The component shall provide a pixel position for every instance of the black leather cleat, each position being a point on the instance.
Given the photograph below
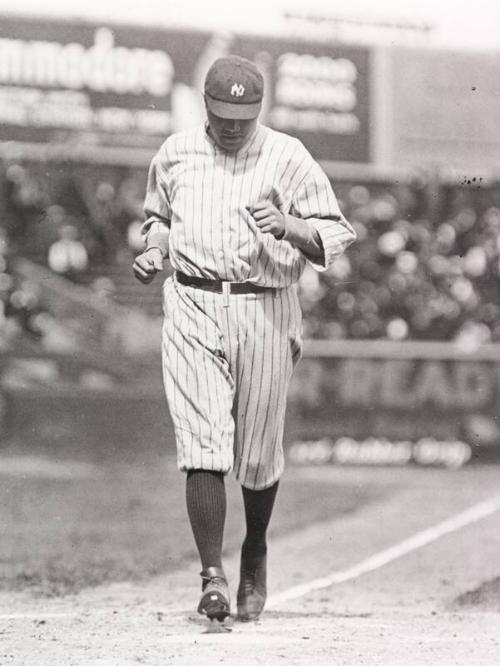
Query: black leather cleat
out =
(252, 590)
(214, 601)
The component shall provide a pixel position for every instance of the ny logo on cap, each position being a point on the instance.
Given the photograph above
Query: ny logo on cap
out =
(237, 90)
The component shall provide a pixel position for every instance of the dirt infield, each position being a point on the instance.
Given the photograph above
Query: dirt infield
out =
(432, 603)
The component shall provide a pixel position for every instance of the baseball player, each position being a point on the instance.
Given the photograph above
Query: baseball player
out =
(239, 209)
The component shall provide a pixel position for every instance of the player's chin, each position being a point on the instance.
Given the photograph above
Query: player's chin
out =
(232, 144)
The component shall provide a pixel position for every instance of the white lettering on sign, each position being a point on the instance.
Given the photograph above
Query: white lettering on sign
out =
(30, 107)
(381, 451)
(403, 383)
(315, 94)
(329, 122)
(429, 451)
(103, 67)
(309, 93)
(317, 67)
(374, 451)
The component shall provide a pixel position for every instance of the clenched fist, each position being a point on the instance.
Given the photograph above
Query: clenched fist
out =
(147, 265)
(268, 218)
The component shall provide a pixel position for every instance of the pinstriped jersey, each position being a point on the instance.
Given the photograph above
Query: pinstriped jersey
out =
(201, 192)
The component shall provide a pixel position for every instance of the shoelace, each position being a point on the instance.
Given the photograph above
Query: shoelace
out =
(217, 580)
(250, 581)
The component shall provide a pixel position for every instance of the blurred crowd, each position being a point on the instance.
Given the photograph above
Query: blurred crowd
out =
(74, 224)
(426, 264)
(74, 221)
(21, 312)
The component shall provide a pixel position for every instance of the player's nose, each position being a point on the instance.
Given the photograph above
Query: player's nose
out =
(233, 126)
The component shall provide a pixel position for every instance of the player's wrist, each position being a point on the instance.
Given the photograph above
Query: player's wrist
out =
(160, 241)
(160, 249)
(302, 235)
(294, 229)
(282, 235)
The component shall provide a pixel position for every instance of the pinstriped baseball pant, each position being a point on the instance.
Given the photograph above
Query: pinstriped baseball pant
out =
(227, 363)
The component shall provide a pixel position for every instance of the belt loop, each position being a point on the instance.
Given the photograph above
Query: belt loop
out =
(226, 290)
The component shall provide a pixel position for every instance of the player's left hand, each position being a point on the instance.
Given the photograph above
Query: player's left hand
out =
(268, 218)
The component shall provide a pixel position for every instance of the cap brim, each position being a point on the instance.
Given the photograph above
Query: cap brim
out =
(233, 111)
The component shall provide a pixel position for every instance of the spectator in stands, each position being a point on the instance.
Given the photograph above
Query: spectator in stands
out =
(23, 307)
(25, 204)
(103, 289)
(104, 224)
(422, 268)
(68, 256)
(409, 278)
(19, 301)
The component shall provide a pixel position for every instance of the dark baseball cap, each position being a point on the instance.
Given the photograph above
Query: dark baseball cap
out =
(234, 88)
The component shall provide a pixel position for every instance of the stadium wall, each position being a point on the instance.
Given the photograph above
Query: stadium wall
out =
(350, 402)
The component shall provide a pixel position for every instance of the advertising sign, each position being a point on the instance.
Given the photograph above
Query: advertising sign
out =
(394, 410)
(103, 85)
(317, 92)
(95, 84)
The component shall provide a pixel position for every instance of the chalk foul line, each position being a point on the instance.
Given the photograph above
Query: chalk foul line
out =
(413, 543)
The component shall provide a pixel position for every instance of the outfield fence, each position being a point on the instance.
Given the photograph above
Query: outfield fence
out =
(350, 402)
(381, 402)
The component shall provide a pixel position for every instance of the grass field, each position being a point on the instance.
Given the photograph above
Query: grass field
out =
(69, 525)
(367, 566)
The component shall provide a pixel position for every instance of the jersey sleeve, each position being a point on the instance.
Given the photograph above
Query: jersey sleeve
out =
(157, 204)
(156, 228)
(315, 201)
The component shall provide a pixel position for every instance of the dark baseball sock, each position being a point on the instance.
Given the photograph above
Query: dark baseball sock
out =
(206, 505)
(258, 509)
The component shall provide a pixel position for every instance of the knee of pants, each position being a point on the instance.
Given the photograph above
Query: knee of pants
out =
(258, 475)
(196, 453)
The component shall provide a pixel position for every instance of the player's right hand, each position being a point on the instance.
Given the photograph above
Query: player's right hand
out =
(147, 265)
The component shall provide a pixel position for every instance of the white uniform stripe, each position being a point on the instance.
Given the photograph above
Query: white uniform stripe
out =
(180, 348)
(255, 197)
(255, 403)
(252, 245)
(233, 241)
(245, 392)
(199, 186)
(225, 225)
(268, 363)
(281, 387)
(193, 200)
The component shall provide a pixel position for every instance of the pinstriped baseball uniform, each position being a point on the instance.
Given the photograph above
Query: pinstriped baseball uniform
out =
(228, 358)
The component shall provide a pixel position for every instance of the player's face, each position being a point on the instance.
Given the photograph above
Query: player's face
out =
(230, 134)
